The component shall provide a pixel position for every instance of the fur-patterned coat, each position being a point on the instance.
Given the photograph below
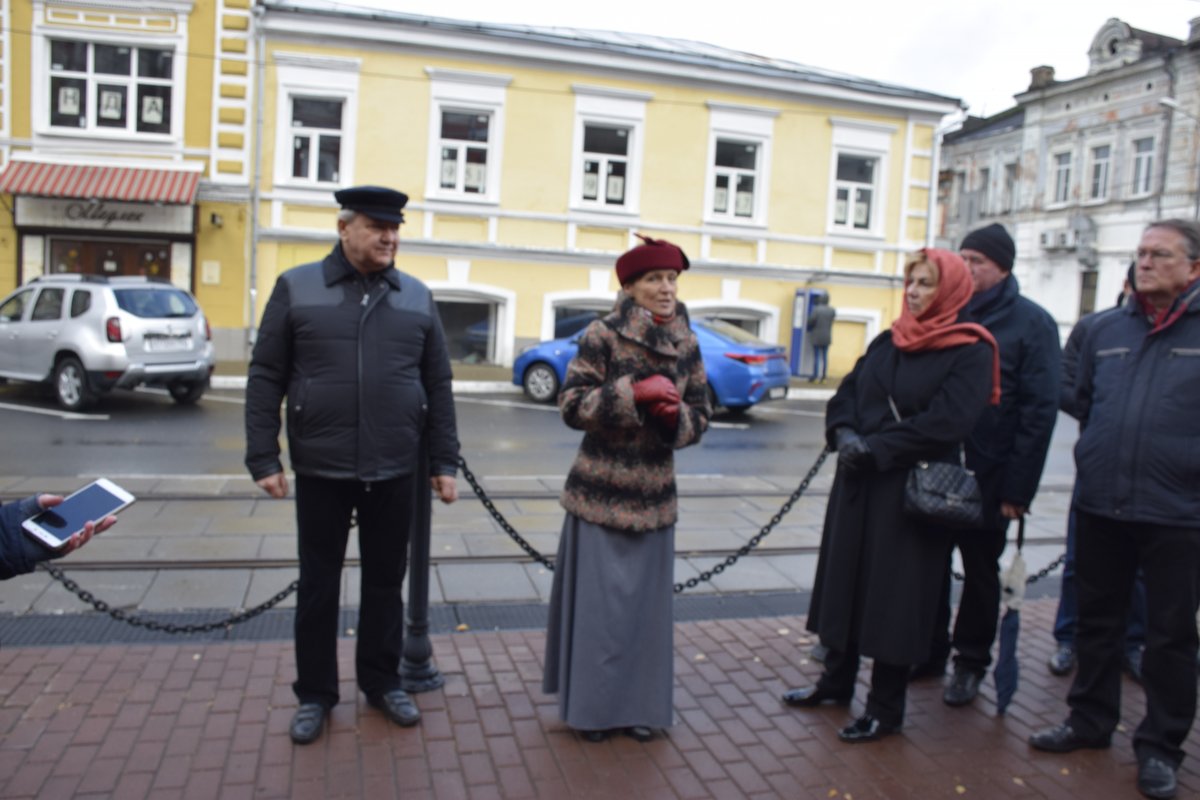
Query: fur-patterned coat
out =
(624, 474)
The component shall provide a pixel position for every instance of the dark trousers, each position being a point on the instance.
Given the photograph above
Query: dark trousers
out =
(323, 509)
(889, 683)
(1108, 554)
(979, 606)
(1068, 605)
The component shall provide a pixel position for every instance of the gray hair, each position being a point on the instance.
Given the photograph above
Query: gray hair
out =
(347, 215)
(1189, 229)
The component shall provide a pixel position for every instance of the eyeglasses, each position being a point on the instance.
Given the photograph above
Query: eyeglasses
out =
(1157, 256)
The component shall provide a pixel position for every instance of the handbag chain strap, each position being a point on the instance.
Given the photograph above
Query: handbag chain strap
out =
(962, 451)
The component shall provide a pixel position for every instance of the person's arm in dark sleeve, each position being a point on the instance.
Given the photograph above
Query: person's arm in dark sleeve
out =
(1038, 393)
(438, 379)
(266, 384)
(1070, 368)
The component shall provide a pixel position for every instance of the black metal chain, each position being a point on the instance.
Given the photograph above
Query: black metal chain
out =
(157, 625)
(691, 582)
(529, 549)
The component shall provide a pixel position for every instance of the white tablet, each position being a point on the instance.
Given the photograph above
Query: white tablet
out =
(92, 503)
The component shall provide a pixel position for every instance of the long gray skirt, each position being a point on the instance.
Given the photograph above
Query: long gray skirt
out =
(609, 643)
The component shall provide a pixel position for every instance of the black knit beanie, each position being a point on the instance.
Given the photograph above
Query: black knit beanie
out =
(994, 242)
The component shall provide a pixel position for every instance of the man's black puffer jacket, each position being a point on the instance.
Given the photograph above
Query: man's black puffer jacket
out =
(363, 364)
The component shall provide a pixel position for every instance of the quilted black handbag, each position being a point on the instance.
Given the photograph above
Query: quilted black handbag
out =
(943, 492)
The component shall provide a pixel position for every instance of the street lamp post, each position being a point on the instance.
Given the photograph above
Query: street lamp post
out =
(1173, 104)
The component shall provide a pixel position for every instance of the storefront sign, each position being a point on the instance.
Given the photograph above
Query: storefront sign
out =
(103, 215)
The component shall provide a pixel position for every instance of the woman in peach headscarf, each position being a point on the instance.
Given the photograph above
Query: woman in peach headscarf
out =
(880, 573)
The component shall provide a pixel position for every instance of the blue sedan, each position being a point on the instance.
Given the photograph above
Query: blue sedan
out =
(742, 370)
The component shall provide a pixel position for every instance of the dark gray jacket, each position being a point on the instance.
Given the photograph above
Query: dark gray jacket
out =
(18, 552)
(1137, 458)
(363, 364)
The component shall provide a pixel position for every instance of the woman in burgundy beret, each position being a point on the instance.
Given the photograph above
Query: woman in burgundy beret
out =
(637, 390)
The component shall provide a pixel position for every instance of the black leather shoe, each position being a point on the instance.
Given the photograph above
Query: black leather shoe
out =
(1133, 664)
(812, 696)
(397, 706)
(930, 669)
(593, 736)
(1156, 778)
(1063, 660)
(866, 729)
(639, 733)
(308, 723)
(962, 689)
(1063, 739)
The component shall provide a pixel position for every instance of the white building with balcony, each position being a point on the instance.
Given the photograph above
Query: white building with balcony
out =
(1077, 167)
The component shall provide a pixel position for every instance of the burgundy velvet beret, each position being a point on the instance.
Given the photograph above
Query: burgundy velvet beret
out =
(650, 255)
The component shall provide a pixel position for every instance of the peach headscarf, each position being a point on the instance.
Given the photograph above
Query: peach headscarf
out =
(936, 328)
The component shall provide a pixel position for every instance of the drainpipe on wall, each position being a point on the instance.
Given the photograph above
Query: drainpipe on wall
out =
(1169, 68)
(934, 166)
(259, 60)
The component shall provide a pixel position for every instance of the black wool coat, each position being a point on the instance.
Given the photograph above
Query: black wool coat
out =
(879, 574)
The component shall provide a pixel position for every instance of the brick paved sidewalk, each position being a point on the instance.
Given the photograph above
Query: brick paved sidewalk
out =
(210, 721)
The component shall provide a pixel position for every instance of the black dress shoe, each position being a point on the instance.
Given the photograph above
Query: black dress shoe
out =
(639, 733)
(308, 723)
(1133, 664)
(930, 669)
(812, 696)
(397, 706)
(866, 729)
(1063, 739)
(962, 689)
(1156, 778)
(593, 736)
(1063, 660)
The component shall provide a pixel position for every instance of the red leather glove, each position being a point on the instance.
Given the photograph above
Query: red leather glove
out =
(668, 413)
(656, 387)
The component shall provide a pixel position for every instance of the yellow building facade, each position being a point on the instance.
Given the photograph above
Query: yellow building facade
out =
(531, 157)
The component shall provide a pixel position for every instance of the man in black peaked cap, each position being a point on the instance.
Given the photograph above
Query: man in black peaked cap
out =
(356, 347)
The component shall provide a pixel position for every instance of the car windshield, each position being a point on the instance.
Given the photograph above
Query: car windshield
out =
(155, 303)
(728, 330)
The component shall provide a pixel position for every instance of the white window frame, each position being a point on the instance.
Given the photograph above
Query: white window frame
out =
(175, 41)
(864, 139)
(320, 78)
(470, 93)
(985, 191)
(748, 125)
(1141, 165)
(1099, 169)
(1060, 177)
(613, 108)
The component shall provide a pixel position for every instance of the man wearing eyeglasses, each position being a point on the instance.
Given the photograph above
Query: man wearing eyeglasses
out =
(1007, 450)
(1138, 477)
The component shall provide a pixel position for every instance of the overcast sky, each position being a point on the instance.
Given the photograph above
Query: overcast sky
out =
(978, 50)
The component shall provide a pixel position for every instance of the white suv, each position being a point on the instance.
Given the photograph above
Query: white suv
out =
(88, 334)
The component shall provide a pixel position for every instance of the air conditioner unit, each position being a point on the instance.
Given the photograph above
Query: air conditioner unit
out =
(1048, 239)
(1067, 239)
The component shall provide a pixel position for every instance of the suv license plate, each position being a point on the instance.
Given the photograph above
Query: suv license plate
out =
(777, 393)
(168, 344)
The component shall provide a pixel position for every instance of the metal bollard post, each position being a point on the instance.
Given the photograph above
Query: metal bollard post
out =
(417, 671)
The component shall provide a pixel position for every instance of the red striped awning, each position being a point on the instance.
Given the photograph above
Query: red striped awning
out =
(85, 182)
